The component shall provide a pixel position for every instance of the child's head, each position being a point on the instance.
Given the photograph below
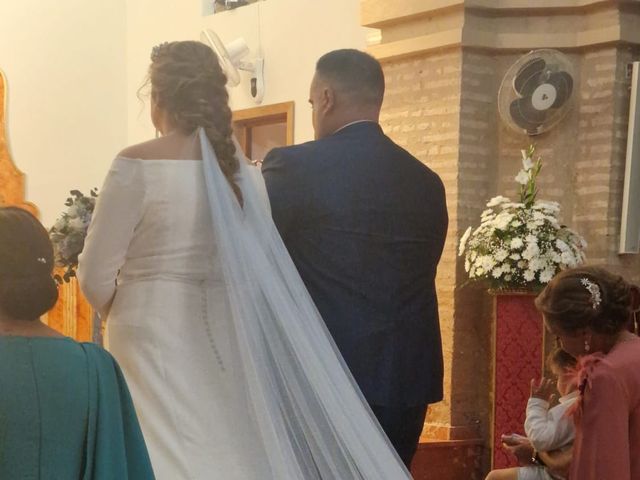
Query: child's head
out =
(562, 365)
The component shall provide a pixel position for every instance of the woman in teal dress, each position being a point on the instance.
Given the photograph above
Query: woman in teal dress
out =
(65, 410)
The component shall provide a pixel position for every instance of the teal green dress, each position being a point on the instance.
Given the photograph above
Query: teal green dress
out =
(66, 413)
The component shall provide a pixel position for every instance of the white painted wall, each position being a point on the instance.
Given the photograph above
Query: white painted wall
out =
(74, 68)
(293, 35)
(65, 66)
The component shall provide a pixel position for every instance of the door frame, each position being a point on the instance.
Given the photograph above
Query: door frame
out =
(245, 120)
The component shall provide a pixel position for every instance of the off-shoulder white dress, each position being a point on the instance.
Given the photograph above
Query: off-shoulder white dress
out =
(168, 320)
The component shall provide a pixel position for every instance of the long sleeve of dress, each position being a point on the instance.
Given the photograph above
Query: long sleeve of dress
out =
(548, 429)
(602, 449)
(118, 211)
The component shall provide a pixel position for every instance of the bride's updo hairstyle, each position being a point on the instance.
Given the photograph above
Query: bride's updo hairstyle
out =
(584, 297)
(27, 288)
(189, 84)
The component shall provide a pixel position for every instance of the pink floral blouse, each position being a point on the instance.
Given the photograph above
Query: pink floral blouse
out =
(607, 444)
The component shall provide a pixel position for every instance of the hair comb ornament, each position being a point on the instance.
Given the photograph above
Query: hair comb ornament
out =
(594, 290)
(155, 51)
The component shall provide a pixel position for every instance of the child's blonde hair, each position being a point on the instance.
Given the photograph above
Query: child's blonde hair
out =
(561, 359)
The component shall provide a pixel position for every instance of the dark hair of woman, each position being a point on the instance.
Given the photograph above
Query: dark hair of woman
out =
(27, 287)
(188, 82)
(587, 297)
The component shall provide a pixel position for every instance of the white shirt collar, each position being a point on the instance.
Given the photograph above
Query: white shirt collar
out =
(569, 396)
(353, 123)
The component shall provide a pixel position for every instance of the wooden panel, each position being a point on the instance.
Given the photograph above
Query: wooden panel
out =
(11, 179)
(244, 120)
(72, 315)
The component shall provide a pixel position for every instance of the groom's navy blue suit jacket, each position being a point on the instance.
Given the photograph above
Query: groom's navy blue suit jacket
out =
(365, 223)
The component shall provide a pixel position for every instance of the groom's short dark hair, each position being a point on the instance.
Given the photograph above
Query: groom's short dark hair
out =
(354, 73)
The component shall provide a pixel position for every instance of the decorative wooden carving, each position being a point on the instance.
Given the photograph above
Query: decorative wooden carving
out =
(11, 179)
(72, 314)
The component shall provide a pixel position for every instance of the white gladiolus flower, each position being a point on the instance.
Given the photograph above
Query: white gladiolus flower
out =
(526, 157)
(515, 256)
(522, 178)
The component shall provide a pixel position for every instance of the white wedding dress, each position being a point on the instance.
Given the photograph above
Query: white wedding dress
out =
(231, 369)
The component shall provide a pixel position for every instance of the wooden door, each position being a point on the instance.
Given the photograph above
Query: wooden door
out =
(260, 129)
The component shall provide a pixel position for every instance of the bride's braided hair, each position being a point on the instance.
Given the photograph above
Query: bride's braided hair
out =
(188, 82)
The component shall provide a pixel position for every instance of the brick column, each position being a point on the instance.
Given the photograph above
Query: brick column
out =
(444, 61)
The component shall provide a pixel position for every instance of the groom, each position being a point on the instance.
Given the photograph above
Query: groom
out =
(365, 223)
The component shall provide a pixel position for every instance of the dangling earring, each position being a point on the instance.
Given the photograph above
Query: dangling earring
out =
(157, 133)
(587, 347)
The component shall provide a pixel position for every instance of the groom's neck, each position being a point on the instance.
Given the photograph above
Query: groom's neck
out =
(353, 115)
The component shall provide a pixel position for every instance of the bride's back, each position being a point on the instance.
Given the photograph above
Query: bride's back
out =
(174, 237)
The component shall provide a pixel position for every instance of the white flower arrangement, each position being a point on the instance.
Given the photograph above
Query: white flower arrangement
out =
(520, 245)
(70, 230)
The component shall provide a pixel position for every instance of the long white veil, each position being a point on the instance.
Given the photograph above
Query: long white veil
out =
(314, 422)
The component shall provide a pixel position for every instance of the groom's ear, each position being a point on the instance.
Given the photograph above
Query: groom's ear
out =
(328, 99)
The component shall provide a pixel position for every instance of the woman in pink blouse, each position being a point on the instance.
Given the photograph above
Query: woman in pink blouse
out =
(588, 309)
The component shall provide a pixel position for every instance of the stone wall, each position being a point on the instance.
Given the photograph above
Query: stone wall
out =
(584, 156)
(421, 112)
(444, 61)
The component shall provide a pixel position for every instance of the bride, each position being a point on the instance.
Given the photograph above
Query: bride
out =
(231, 369)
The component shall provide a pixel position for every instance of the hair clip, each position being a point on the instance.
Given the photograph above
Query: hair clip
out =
(41, 260)
(155, 51)
(594, 290)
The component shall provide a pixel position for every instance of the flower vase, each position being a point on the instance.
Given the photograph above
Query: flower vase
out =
(517, 358)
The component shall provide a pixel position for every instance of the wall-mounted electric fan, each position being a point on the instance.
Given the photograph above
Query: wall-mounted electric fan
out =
(535, 93)
(230, 56)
